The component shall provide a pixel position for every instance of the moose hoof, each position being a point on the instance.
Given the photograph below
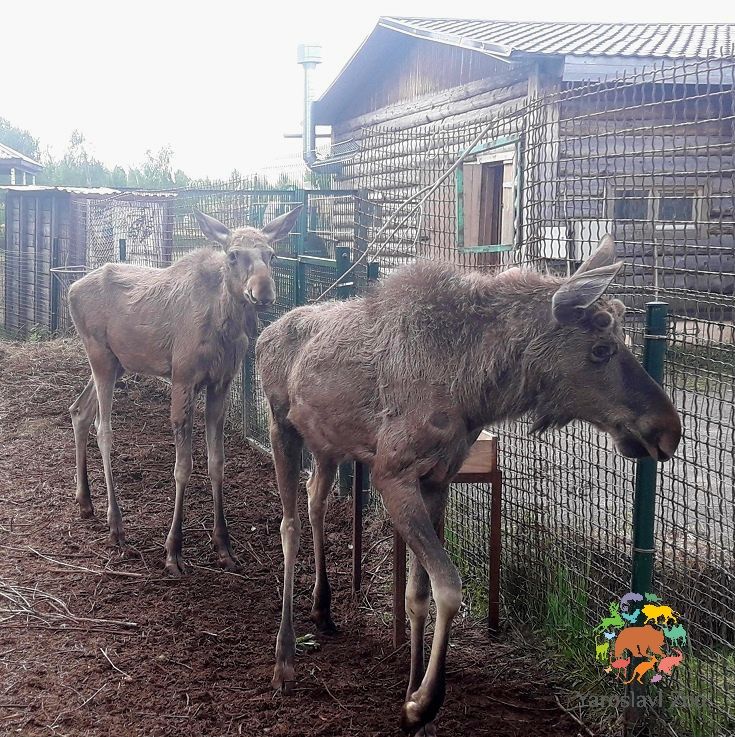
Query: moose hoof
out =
(324, 623)
(229, 562)
(416, 715)
(284, 678)
(175, 566)
(117, 539)
(86, 510)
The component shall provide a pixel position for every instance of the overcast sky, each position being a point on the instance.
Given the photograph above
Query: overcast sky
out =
(217, 80)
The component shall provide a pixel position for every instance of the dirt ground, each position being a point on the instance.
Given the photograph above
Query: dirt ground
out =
(92, 643)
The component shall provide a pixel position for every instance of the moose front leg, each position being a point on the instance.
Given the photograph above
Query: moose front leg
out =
(215, 421)
(411, 519)
(182, 413)
(287, 445)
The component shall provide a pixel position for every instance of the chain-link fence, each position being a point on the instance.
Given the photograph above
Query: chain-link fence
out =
(648, 158)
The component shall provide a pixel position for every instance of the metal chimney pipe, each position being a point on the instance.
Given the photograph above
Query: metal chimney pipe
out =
(309, 56)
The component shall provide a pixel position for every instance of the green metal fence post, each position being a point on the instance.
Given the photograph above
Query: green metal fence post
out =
(644, 501)
(303, 224)
(342, 257)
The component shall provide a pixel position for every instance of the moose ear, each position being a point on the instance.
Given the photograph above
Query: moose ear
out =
(580, 291)
(213, 228)
(281, 226)
(604, 255)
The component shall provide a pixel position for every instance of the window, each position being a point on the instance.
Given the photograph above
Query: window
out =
(664, 206)
(486, 190)
(676, 208)
(631, 204)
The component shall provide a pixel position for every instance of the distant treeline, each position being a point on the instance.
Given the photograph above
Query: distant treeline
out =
(77, 167)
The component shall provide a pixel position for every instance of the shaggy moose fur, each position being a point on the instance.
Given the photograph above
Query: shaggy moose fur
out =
(405, 378)
(190, 323)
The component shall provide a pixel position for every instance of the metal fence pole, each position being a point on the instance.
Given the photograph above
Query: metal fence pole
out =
(644, 501)
(342, 257)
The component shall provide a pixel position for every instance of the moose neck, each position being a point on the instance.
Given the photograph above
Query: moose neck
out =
(514, 311)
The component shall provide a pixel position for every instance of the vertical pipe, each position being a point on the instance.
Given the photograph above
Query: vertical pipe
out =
(644, 505)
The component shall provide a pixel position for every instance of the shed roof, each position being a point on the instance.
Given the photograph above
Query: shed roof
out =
(8, 155)
(503, 38)
(588, 50)
(90, 191)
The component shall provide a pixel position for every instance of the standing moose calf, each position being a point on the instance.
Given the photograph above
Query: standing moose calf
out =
(190, 323)
(404, 380)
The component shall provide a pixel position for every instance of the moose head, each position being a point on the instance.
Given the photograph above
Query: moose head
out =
(249, 255)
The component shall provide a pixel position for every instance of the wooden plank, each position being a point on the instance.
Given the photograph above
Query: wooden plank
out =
(482, 458)
(472, 203)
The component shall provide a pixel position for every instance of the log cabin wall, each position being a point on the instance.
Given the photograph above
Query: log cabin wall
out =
(412, 123)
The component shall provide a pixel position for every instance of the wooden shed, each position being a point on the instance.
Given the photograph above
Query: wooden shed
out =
(53, 235)
(17, 168)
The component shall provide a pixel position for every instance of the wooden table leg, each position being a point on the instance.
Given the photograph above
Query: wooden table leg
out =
(493, 578)
(357, 526)
(399, 590)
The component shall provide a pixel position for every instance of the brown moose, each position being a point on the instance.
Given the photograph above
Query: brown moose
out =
(190, 323)
(405, 378)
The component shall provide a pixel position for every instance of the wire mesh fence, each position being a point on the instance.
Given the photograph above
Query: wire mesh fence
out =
(649, 158)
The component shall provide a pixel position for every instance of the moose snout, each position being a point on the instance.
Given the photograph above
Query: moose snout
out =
(659, 440)
(260, 292)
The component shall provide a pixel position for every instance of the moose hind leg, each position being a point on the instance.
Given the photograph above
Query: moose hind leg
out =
(105, 370)
(318, 488)
(215, 421)
(83, 412)
(412, 521)
(182, 413)
(287, 445)
(418, 593)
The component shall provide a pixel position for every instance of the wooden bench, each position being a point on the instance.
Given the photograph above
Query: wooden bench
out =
(480, 466)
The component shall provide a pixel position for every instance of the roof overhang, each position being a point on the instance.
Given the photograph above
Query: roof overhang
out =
(378, 47)
(23, 164)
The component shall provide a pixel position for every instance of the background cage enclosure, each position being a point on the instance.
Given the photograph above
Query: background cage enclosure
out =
(649, 158)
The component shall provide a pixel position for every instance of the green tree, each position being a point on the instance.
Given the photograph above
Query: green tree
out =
(157, 171)
(19, 139)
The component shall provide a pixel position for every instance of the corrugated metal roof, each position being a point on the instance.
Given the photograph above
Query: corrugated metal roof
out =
(10, 153)
(88, 191)
(503, 38)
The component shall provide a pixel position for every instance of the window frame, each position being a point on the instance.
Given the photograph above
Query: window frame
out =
(502, 150)
(654, 195)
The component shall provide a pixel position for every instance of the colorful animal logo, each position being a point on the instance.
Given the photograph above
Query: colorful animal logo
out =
(640, 639)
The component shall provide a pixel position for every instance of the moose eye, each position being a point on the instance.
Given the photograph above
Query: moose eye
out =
(232, 257)
(603, 352)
